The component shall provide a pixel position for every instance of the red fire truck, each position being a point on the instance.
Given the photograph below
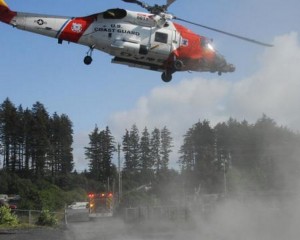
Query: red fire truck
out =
(101, 204)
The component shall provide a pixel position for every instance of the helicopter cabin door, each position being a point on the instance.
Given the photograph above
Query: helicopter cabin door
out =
(161, 42)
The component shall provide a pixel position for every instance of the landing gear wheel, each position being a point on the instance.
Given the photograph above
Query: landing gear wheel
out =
(178, 65)
(166, 76)
(88, 60)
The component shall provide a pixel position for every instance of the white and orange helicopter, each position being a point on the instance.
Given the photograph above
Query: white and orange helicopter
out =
(150, 40)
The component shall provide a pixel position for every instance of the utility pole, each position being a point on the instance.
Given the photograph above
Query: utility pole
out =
(120, 173)
(224, 174)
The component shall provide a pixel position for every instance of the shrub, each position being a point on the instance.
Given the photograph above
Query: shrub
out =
(47, 218)
(7, 217)
(52, 198)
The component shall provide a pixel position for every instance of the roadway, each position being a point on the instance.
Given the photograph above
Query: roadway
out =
(116, 229)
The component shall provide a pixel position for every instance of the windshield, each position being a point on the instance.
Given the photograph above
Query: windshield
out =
(115, 14)
(207, 44)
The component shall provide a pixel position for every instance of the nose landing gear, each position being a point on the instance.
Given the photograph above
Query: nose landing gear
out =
(166, 76)
(88, 58)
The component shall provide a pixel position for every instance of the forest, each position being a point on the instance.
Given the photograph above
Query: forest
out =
(36, 159)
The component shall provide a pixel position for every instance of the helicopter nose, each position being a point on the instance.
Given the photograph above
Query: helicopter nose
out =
(221, 65)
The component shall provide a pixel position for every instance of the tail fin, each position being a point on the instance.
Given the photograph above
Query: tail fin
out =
(3, 3)
(6, 15)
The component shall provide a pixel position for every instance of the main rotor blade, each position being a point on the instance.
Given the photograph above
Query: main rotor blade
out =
(131, 1)
(135, 1)
(226, 33)
(140, 3)
(169, 2)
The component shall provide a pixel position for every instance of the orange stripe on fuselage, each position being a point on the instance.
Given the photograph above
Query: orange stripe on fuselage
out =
(76, 28)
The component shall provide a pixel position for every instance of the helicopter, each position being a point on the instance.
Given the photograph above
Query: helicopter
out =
(151, 40)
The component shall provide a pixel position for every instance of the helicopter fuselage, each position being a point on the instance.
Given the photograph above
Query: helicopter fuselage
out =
(135, 39)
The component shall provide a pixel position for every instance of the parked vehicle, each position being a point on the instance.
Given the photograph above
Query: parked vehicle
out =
(13, 204)
(5, 201)
(79, 205)
(101, 205)
(4, 197)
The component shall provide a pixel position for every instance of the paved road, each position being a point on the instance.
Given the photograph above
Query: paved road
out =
(33, 234)
(79, 227)
(103, 229)
(116, 229)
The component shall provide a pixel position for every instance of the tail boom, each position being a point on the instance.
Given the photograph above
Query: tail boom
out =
(70, 29)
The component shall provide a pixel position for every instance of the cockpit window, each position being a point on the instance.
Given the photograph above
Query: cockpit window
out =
(206, 43)
(161, 37)
(115, 14)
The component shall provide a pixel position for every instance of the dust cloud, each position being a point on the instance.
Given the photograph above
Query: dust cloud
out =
(236, 218)
(240, 215)
(249, 219)
(269, 215)
(245, 215)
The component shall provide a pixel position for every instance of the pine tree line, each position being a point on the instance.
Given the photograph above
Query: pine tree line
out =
(33, 143)
(252, 157)
(230, 156)
(145, 156)
(148, 151)
(260, 156)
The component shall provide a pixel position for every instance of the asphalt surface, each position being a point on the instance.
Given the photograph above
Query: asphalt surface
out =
(100, 229)
(231, 220)
(33, 234)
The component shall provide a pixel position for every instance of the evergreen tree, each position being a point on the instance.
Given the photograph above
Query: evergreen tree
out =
(199, 157)
(94, 155)
(166, 145)
(187, 151)
(131, 148)
(61, 140)
(241, 144)
(135, 147)
(20, 139)
(66, 141)
(108, 150)
(100, 154)
(8, 122)
(40, 138)
(126, 150)
(28, 139)
(155, 149)
(222, 147)
(271, 149)
(32, 143)
(146, 160)
(54, 155)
